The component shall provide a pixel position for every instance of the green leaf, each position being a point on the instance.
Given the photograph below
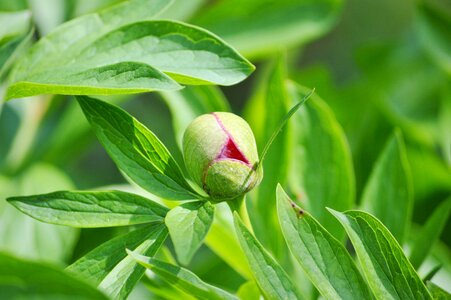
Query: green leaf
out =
(11, 50)
(118, 78)
(249, 291)
(13, 24)
(388, 193)
(90, 209)
(23, 279)
(26, 237)
(432, 26)
(387, 270)
(269, 275)
(324, 259)
(437, 292)
(182, 278)
(108, 265)
(185, 105)
(188, 224)
(221, 239)
(261, 27)
(430, 233)
(321, 173)
(132, 59)
(136, 150)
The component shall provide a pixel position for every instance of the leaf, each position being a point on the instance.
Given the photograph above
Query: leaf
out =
(108, 265)
(432, 26)
(249, 291)
(388, 193)
(188, 224)
(321, 171)
(13, 24)
(11, 50)
(185, 105)
(430, 233)
(25, 237)
(386, 268)
(133, 59)
(23, 279)
(324, 259)
(269, 275)
(437, 292)
(181, 278)
(262, 27)
(118, 78)
(221, 239)
(90, 209)
(136, 150)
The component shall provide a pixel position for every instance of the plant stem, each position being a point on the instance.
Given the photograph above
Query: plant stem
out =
(239, 205)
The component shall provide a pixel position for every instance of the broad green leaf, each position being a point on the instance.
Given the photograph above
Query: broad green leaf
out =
(324, 259)
(272, 280)
(432, 25)
(136, 150)
(437, 292)
(185, 105)
(108, 265)
(118, 78)
(321, 173)
(387, 270)
(261, 27)
(23, 279)
(430, 233)
(221, 239)
(188, 224)
(26, 237)
(133, 58)
(73, 36)
(90, 209)
(181, 278)
(388, 193)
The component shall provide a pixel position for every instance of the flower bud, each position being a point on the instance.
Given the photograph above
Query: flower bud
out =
(221, 155)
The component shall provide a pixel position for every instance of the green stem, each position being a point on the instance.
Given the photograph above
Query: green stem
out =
(239, 205)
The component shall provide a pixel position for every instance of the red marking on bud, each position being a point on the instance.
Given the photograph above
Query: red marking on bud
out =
(230, 149)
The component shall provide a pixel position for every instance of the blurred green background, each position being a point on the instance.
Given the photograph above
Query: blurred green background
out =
(379, 65)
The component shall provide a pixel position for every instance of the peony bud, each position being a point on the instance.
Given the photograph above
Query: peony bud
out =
(221, 155)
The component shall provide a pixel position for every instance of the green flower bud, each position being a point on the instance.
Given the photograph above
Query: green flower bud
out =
(221, 155)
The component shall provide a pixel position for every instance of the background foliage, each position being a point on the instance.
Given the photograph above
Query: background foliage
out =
(376, 135)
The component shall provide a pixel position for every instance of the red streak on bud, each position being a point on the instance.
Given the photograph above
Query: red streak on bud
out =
(230, 150)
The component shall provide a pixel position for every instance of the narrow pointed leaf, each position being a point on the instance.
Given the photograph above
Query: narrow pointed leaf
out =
(90, 209)
(384, 264)
(136, 150)
(324, 259)
(322, 173)
(188, 224)
(389, 191)
(182, 278)
(108, 265)
(272, 280)
(430, 233)
(22, 279)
